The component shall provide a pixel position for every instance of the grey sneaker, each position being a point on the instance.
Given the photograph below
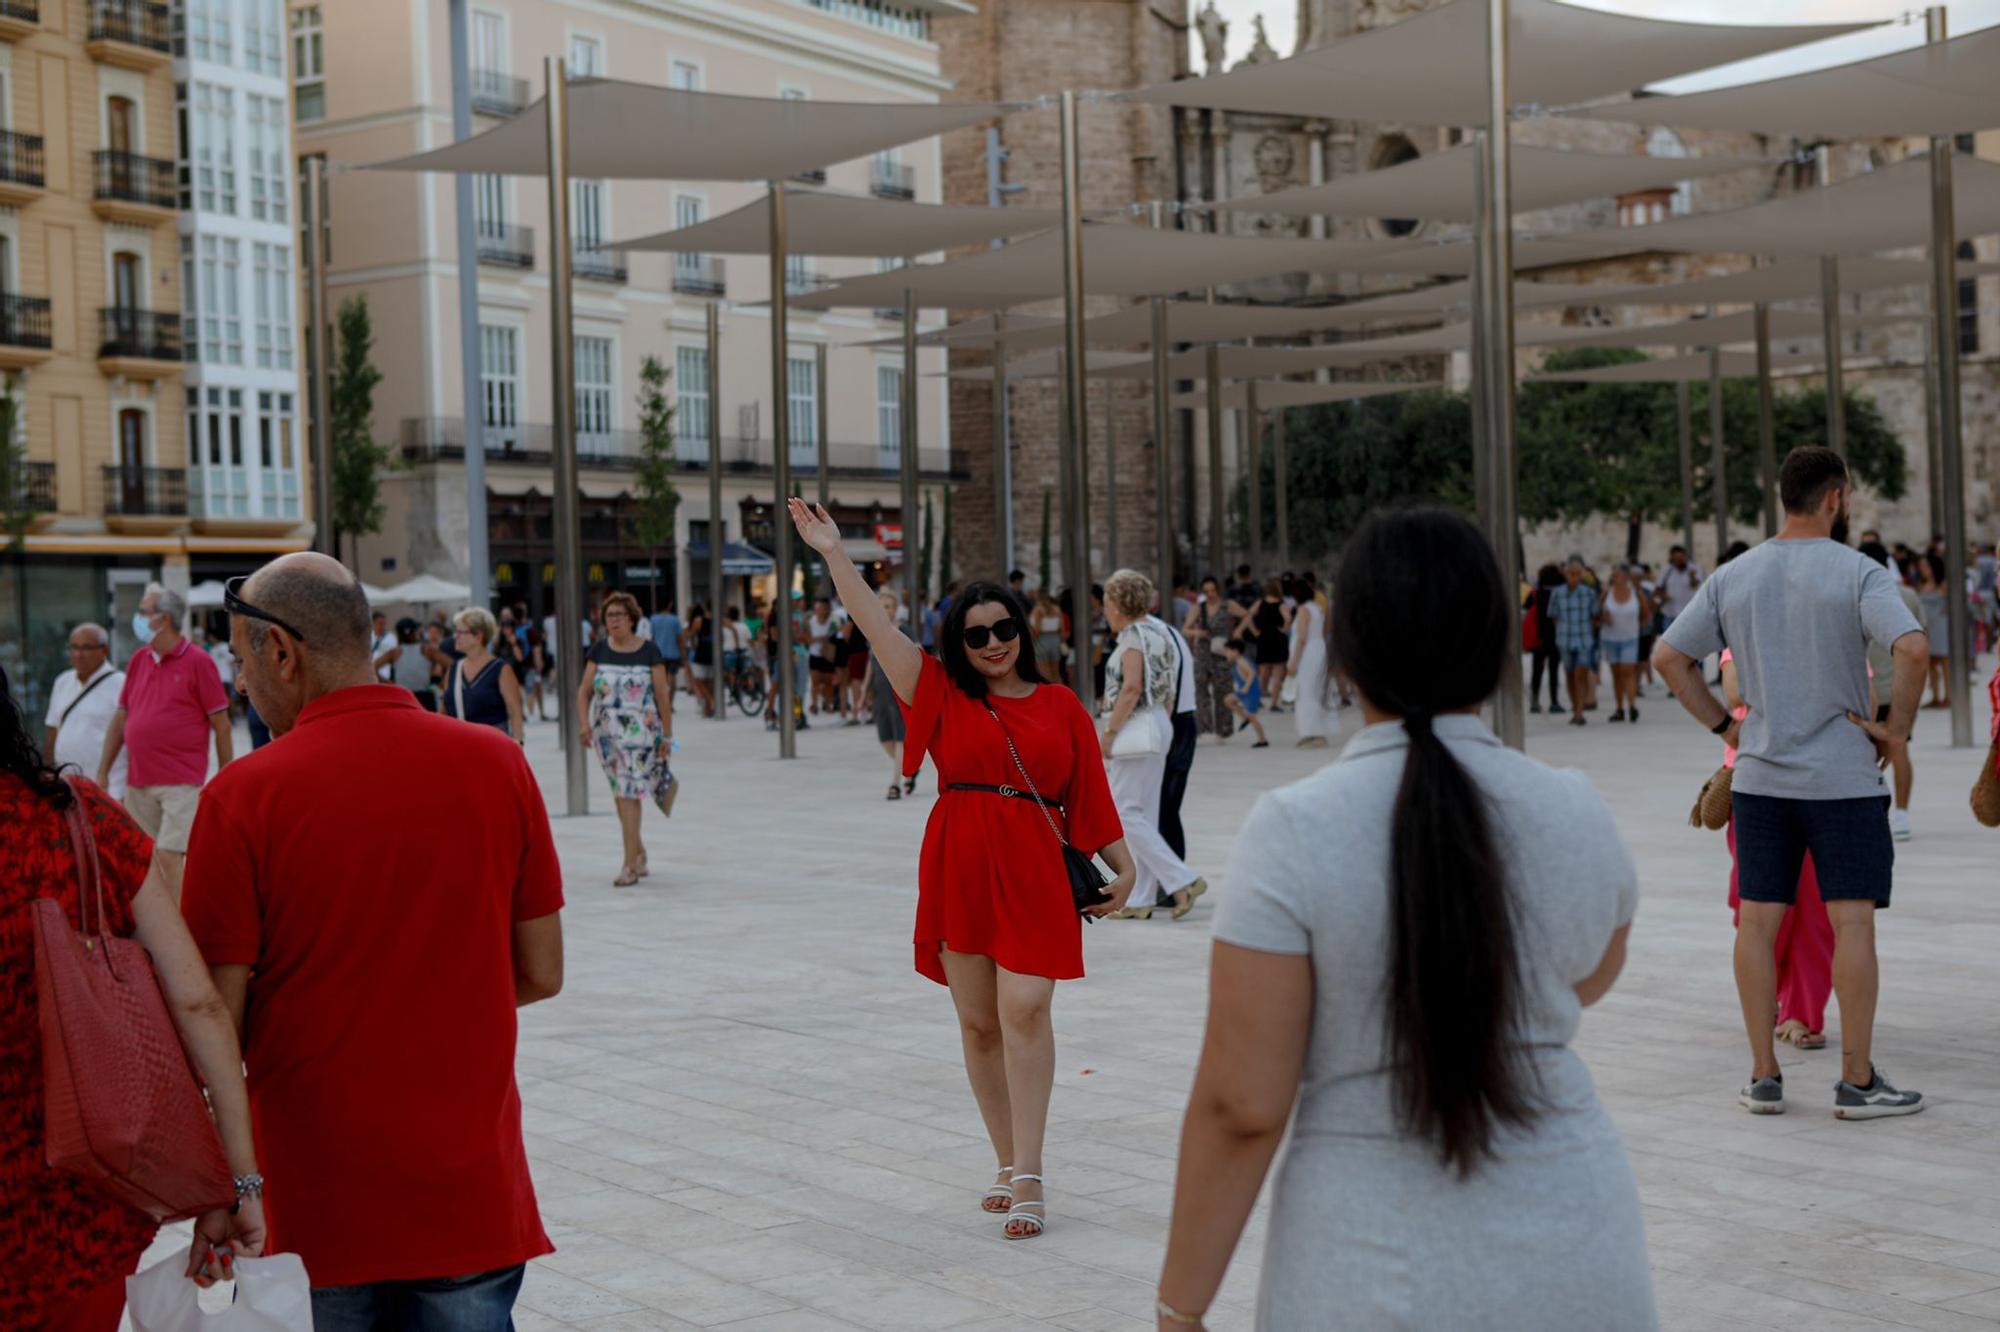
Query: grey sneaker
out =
(1764, 1096)
(1878, 1100)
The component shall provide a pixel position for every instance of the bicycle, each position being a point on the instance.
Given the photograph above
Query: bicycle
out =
(744, 684)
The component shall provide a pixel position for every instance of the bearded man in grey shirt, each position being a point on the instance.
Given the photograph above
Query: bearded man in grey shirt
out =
(1798, 613)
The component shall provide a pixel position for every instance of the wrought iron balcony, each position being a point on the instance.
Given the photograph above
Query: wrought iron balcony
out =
(698, 275)
(25, 321)
(598, 265)
(125, 177)
(133, 22)
(22, 161)
(441, 438)
(142, 492)
(146, 335)
(816, 176)
(35, 487)
(892, 180)
(19, 18)
(497, 94)
(510, 247)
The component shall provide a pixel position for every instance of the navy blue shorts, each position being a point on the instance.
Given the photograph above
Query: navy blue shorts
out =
(1849, 841)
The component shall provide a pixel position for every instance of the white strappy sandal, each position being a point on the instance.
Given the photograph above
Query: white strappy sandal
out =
(1019, 1212)
(1000, 1193)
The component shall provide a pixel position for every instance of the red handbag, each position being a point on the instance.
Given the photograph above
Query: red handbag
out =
(123, 1107)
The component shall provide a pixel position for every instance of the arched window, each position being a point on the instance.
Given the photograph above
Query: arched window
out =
(1391, 150)
(1663, 142)
(1968, 304)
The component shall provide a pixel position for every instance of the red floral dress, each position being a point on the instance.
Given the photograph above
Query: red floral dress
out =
(61, 1236)
(990, 878)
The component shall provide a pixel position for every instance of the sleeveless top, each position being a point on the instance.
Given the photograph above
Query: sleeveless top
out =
(485, 705)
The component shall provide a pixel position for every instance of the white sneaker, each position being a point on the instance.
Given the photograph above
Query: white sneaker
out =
(1899, 824)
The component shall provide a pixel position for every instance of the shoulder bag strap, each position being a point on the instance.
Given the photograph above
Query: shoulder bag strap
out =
(458, 688)
(95, 681)
(83, 850)
(1022, 769)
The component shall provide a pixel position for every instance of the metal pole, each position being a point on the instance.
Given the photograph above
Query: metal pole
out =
(906, 462)
(325, 539)
(1767, 428)
(1493, 342)
(819, 423)
(1684, 413)
(1932, 468)
(1003, 452)
(1163, 470)
(1279, 462)
(1214, 388)
(1481, 407)
(1829, 314)
(479, 565)
(1718, 454)
(1076, 539)
(1253, 482)
(1951, 470)
(1110, 477)
(718, 530)
(562, 411)
(786, 681)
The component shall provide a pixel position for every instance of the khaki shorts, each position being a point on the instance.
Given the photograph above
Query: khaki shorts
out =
(165, 812)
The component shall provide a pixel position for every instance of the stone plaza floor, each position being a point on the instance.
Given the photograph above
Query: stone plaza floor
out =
(746, 1111)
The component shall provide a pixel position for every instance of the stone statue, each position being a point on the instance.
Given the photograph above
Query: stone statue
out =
(1261, 50)
(1214, 32)
(1274, 159)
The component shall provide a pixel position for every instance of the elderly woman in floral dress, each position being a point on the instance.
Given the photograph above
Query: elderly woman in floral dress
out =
(619, 713)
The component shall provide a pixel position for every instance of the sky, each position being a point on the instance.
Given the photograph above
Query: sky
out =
(1281, 23)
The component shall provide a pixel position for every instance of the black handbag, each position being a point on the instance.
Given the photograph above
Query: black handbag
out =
(1086, 881)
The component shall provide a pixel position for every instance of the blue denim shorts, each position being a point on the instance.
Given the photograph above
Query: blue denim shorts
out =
(1574, 659)
(482, 1302)
(1849, 841)
(1621, 651)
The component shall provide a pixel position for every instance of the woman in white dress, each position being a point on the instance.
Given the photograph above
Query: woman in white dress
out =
(1315, 719)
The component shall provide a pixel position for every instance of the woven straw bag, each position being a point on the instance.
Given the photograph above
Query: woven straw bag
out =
(1711, 807)
(1986, 791)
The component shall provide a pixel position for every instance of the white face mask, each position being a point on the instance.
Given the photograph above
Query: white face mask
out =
(142, 626)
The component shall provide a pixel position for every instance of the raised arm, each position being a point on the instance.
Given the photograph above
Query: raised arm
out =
(902, 660)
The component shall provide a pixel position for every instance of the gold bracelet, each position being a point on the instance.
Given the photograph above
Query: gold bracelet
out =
(1173, 1315)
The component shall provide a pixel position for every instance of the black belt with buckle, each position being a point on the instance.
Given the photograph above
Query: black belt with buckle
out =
(1014, 792)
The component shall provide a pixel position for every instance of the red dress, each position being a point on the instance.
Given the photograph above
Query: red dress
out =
(62, 1237)
(990, 878)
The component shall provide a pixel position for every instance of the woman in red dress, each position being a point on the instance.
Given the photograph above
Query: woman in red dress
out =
(69, 1245)
(995, 918)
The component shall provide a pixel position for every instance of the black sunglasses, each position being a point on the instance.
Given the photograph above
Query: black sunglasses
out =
(236, 605)
(978, 636)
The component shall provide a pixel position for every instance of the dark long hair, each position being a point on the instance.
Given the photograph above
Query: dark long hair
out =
(958, 668)
(1409, 581)
(20, 756)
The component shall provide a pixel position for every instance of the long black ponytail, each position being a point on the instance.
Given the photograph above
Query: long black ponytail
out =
(1420, 626)
(20, 755)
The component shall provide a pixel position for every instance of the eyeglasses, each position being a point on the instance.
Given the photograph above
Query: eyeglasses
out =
(87, 647)
(978, 636)
(236, 605)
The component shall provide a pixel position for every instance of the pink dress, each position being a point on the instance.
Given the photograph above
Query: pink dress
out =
(1805, 940)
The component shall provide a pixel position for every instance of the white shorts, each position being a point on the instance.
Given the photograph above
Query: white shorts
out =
(165, 812)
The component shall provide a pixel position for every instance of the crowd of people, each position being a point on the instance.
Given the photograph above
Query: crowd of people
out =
(1401, 960)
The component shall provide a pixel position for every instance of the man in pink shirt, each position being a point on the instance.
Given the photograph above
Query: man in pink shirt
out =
(172, 702)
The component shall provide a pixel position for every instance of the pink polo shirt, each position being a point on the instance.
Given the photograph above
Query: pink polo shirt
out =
(167, 702)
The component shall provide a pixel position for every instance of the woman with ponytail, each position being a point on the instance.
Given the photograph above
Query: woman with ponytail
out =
(1408, 970)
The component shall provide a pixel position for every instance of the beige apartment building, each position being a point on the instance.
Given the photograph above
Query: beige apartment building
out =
(372, 81)
(91, 345)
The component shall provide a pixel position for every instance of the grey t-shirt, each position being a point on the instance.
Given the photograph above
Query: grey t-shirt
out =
(1798, 616)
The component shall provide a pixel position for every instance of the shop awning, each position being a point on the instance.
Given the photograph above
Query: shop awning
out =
(738, 560)
(863, 550)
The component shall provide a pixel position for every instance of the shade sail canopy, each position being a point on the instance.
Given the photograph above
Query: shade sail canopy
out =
(1453, 258)
(1047, 365)
(1118, 260)
(424, 590)
(823, 223)
(1785, 280)
(1790, 326)
(1430, 69)
(1290, 393)
(1885, 209)
(1952, 87)
(1444, 185)
(636, 131)
(1678, 370)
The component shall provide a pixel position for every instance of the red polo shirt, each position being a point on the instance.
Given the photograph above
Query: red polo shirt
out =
(370, 865)
(167, 702)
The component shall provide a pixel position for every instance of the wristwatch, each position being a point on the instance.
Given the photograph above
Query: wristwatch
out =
(1721, 727)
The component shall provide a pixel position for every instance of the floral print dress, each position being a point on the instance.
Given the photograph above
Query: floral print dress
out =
(625, 721)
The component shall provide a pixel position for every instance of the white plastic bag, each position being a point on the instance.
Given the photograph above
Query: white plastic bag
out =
(1289, 693)
(272, 1295)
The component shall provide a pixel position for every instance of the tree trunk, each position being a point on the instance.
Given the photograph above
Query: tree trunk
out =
(1634, 527)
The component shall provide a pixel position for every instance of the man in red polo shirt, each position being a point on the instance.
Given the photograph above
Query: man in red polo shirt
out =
(173, 701)
(378, 1010)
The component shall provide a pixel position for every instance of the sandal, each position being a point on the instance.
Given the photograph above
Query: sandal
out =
(626, 878)
(1184, 899)
(1794, 1032)
(895, 791)
(1000, 1197)
(1033, 1223)
(643, 868)
(1133, 913)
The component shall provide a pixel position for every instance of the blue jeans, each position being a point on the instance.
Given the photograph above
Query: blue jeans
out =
(483, 1302)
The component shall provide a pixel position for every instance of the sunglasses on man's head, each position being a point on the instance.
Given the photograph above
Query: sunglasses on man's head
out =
(978, 636)
(236, 605)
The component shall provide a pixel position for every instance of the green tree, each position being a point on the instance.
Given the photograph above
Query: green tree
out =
(17, 509)
(1047, 563)
(355, 456)
(658, 500)
(1346, 459)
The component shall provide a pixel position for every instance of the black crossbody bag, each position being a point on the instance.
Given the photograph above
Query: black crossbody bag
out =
(1086, 881)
